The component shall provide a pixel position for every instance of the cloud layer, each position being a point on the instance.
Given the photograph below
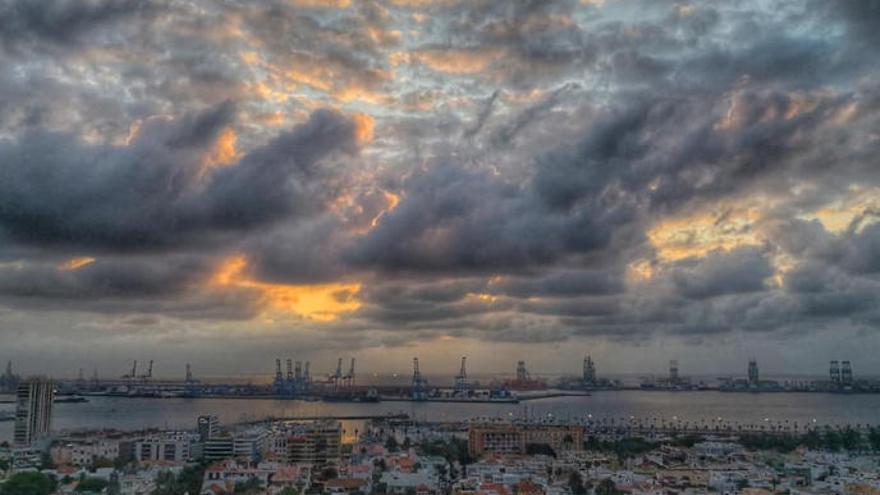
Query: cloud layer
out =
(375, 176)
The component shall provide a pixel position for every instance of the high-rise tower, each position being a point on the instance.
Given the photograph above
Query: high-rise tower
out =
(846, 374)
(589, 371)
(673, 371)
(33, 410)
(834, 372)
(754, 378)
(461, 379)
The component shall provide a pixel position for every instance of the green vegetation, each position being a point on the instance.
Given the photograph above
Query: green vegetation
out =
(830, 439)
(250, 487)
(328, 473)
(189, 480)
(779, 443)
(874, 438)
(686, 440)
(455, 450)
(624, 448)
(28, 483)
(835, 440)
(576, 483)
(391, 444)
(540, 449)
(46, 461)
(91, 485)
(607, 487)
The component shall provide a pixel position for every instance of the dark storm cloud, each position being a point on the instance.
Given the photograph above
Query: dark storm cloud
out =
(862, 17)
(112, 278)
(651, 151)
(737, 271)
(60, 23)
(169, 285)
(455, 219)
(157, 191)
(307, 252)
(561, 284)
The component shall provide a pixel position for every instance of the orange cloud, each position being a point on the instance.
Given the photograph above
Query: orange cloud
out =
(319, 302)
(323, 4)
(76, 263)
(699, 233)
(853, 211)
(422, 3)
(639, 270)
(451, 61)
(224, 151)
(363, 128)
(392, 201)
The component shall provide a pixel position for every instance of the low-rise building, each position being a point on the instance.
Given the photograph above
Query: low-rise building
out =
(85, 453)
(514, 438)
(166, 447)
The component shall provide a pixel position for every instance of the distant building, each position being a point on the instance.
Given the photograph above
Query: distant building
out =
(8, 380)
(589, 371)
(208, 427)
(250, 444)
(508, 439)
(754, 377)
(673, 372)
(169, 447)
(218, 448)
(85, 453)
(318, 443)
(33, 411)
(846, 374)
(834, 372)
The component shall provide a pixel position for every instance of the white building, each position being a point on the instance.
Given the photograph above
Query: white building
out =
(173, 447)
(33, 411)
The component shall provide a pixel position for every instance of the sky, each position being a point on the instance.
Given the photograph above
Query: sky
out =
(226, 182)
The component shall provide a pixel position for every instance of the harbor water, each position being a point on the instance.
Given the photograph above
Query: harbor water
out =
(731, 408)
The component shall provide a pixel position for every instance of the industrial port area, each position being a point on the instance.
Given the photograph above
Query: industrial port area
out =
(295, 380)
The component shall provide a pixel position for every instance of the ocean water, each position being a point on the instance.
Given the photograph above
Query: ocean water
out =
(742, 408)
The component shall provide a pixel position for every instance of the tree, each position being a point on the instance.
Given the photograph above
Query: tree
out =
(576, 483)
(812, 440)
(289, 490)
(833, 440)
(851, 439)
(189, 480)
(46, 461)
(391, 444)
(28, 483)
(328, 473)
(607, 487)
(874, 438)
(540, 449)
(91, 485)
(250, 487)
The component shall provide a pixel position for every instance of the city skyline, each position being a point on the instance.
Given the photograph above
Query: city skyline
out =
(136, 370)
(224, 184)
